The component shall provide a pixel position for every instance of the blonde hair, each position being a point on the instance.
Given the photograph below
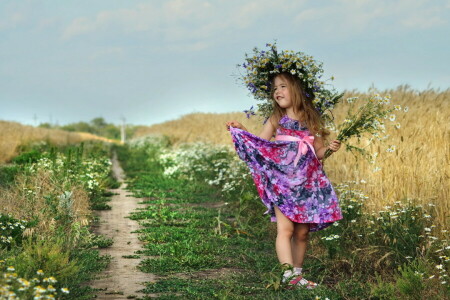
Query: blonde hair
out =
(303, 106)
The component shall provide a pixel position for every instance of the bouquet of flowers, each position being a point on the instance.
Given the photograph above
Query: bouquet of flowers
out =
(366, 119)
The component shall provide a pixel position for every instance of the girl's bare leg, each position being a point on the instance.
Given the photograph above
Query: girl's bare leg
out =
(299, 243)
(285, 230)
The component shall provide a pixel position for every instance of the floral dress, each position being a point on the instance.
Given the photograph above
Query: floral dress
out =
(287, 174)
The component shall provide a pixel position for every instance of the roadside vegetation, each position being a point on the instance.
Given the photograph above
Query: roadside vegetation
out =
(47, 194)
(206, 237)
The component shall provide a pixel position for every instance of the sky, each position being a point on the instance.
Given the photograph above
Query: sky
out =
(153, 61)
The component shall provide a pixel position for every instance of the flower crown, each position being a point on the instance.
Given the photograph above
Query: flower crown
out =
(264, 65)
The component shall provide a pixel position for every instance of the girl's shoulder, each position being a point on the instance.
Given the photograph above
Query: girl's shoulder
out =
(271, 122)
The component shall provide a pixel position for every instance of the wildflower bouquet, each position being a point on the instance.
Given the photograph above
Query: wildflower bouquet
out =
(367, 120)
(263, 65)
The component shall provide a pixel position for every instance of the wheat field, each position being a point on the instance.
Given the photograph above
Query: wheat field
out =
(13, 134)
(418, 169)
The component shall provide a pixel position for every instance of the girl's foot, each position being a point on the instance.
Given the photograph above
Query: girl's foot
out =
(291, 274)
(287, 276)
(299, 281)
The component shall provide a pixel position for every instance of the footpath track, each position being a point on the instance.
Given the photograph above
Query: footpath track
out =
(122, 279)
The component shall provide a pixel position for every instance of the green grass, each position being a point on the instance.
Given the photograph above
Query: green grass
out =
(100, 203)
(204, 245)
(189, 231)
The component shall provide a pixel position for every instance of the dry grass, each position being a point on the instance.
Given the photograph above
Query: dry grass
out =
(199, 127)
(12, 135)
(418, 169)
(29, 193)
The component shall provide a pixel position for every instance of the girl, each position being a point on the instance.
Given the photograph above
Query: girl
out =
(288, 173)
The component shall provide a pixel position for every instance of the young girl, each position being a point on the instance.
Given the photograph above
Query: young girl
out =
(288, 172)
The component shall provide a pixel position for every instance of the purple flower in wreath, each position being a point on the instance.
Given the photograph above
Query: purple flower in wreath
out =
(249, 112)
(278, 66)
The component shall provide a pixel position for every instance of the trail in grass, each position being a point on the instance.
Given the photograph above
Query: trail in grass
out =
(122, 279)
(194, 244)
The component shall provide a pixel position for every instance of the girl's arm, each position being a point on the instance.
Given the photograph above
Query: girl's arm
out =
(267, 131)
(320, 148)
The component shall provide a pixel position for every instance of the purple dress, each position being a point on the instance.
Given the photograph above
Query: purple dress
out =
(287, 174)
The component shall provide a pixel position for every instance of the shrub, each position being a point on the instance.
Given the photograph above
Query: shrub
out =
(27, 157)
(51, 256)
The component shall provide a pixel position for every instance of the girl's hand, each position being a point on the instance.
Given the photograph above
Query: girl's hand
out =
(235, 125)
(334, 145)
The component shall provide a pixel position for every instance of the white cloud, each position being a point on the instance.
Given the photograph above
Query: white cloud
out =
(12, 21)
(179, 20)
(77, 27)
(144, 17)
(247, 13)
(141, 18)
(344, 18)
(187, 10)
(426, 18)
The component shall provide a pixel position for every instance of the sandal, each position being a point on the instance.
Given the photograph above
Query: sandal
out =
(302, 282)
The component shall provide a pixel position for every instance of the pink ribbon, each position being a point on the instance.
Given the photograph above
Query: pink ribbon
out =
(303, 144)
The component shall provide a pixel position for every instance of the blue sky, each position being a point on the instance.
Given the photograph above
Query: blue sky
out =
(152, 61)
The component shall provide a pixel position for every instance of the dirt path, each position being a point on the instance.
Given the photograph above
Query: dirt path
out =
(122, 279)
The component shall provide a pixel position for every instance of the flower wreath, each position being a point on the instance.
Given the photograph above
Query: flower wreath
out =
(263, 65)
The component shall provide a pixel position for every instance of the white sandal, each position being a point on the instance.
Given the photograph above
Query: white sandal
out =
(302, 282)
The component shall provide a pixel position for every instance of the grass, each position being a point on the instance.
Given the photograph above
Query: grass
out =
(196, 249)
(203, 244)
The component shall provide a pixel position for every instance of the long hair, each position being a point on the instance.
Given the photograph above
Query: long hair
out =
(303, 106)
